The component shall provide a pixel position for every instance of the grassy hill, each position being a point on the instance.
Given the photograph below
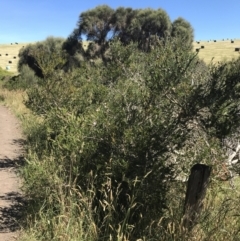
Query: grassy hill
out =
(9, 56)
(219, 50)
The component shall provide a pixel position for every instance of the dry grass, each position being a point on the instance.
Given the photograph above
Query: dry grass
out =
(218, 51)
(212, 51)
(14, 99)
(12, 51)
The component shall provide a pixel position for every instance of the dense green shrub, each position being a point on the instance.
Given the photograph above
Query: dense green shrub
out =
(115, 135)
(42, 57)
(116, 125)
(221, 96)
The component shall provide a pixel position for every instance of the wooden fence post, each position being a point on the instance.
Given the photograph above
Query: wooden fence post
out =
(196, 190)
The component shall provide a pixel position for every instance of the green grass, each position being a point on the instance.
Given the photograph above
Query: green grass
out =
(4, 73)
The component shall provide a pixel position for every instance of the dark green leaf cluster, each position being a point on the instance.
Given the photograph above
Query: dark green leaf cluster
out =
(221, 96)
(183, 30)
(142, 26)
(42, 57)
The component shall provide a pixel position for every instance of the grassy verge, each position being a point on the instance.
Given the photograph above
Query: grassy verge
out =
(66, 225)
(219, 220)
(15, 101)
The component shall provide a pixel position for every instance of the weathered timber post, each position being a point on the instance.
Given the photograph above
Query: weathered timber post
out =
(196, 191)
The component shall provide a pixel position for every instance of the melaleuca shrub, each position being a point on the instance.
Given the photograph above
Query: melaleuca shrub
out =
(114, 126)
(41, 56)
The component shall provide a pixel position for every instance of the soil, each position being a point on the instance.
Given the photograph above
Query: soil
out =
(11, 150)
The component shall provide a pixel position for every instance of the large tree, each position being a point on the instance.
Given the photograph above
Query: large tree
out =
(143, 26)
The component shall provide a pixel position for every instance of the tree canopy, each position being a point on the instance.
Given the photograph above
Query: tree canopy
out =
(102, 24)
(183, 29)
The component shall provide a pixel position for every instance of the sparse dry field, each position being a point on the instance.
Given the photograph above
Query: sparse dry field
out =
(8, 53)
(220, 50)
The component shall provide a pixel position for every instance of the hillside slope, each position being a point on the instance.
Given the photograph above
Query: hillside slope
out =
(211, 51)
(9, 56)
(217, 51)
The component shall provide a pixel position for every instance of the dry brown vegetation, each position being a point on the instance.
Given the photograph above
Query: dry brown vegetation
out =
(217, 51)
(212, 51)
(9, 52)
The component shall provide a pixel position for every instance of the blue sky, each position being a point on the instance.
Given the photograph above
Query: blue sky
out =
(35, 20)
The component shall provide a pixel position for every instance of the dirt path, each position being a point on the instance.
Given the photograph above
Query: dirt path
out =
(10, 157)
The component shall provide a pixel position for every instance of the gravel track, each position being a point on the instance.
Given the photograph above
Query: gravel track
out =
(11, 200)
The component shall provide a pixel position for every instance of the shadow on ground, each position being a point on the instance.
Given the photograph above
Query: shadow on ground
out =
(19, 161)
(11, 215)
(20, 142)
(11, 163)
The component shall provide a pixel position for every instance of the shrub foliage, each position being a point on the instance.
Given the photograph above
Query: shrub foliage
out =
(116, 138)
(119, 134)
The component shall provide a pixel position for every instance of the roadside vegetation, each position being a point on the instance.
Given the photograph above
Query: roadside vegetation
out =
(114, 127)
